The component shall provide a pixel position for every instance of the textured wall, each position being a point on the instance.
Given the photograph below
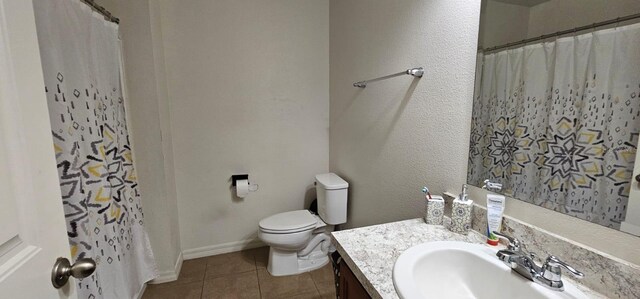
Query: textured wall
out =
(249, 89)
(393, 137)
(267, 80)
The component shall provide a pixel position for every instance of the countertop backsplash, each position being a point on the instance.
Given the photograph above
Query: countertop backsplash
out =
(603, 273)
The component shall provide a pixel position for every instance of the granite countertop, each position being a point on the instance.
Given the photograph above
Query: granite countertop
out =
(371, 252)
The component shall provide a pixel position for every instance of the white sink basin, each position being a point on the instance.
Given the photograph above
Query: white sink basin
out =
(464, 270)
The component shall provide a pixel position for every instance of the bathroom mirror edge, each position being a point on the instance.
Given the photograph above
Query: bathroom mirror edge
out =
(622, 217)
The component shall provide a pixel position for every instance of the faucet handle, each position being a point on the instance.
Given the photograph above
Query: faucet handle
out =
(514, 244)
(491, 186)
(551, 269)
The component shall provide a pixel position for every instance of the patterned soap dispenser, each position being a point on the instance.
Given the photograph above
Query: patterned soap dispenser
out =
(435, 208)
(461, 213)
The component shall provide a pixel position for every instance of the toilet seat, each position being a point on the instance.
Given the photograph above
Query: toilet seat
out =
(289, 222)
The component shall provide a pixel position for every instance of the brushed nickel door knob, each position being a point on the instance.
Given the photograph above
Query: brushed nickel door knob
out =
(63, 269)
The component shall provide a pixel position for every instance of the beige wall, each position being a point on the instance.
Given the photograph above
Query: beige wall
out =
(149, 123)
(558, 15)
(256, 99)
(393, 137)
(502, 23)
(249, 89)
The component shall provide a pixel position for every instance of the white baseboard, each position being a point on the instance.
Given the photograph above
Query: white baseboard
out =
(195, 253)
(170, 275)
(630, 228)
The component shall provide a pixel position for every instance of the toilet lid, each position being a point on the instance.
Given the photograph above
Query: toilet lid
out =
(289, 221)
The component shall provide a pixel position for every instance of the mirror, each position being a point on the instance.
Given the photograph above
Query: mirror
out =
(556, 112)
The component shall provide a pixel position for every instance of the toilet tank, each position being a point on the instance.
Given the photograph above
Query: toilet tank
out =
(332, 198)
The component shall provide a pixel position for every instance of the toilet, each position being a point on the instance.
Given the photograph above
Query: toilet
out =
(299, 241)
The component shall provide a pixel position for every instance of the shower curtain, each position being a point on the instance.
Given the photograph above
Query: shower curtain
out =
(557, 123)
(81, 60)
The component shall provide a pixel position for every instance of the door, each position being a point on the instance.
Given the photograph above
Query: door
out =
(32, 225)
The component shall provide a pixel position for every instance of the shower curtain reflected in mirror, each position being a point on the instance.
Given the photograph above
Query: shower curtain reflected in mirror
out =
(81, 61)
(557, 123)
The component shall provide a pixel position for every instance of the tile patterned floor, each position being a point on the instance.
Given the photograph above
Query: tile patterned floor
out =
(242, 275)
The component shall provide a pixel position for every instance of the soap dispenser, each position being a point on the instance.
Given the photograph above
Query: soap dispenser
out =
(461, 213)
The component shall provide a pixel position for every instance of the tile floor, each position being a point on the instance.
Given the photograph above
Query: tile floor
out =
(242, 275)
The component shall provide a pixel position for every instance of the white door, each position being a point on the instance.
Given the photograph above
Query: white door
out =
(32, 225)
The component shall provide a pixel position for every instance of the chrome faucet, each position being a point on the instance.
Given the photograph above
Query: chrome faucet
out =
(492, 186)
(549, 274)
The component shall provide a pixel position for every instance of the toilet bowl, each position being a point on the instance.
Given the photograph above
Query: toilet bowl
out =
(300, 246)
(299, 240)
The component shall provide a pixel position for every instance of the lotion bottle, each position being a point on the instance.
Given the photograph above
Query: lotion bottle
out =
(495, 209)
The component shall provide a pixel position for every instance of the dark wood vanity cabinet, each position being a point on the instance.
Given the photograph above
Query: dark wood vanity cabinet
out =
(350, 287)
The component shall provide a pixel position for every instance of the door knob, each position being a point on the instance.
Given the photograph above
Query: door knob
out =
(638, 178)
(62, 269)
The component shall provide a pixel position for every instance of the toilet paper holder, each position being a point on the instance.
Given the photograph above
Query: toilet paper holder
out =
(237, 177)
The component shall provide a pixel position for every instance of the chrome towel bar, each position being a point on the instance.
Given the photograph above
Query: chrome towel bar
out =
(416, 72)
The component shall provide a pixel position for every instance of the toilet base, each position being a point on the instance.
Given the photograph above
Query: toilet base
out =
(313, 261)
(282, 263)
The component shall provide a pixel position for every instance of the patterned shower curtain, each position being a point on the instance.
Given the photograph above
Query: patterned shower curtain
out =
(81, 61)
(557, 123)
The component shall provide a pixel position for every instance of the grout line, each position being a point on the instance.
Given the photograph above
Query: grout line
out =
(312, 280)
(227, 274)
(255, 261)
(315, 284)
(255, 265)
(204, 277)
(259, 287)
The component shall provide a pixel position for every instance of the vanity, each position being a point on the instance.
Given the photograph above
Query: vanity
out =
(370, 254)
(555, 129)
